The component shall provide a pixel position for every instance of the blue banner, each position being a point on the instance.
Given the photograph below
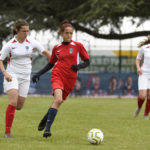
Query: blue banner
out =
(90, 84)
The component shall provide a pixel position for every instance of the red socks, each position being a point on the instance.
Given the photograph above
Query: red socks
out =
(147, 108)
(10, 113)
(140, 102)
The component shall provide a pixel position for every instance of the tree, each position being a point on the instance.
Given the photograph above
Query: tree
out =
(89, 16)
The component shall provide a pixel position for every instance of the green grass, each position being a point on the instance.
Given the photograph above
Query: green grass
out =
(75, 118)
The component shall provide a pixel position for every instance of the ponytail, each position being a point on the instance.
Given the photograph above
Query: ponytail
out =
(144, 42)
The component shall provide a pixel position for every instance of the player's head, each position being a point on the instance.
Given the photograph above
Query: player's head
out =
(21, 29)
(144, 42)
(66, 31)
(129, 80)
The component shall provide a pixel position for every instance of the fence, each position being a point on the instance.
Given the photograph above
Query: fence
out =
(98, 64)
(111, 64)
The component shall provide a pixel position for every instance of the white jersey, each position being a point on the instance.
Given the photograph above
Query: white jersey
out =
(144, 55)
(20, 56)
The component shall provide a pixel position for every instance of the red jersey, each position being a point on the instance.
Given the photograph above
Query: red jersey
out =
(66, 56)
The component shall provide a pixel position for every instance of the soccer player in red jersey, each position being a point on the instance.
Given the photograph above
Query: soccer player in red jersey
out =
(65, 63)
(144, 77)
(19, 51)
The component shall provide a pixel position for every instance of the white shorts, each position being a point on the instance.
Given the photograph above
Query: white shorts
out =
(143, 82)
(22, 85)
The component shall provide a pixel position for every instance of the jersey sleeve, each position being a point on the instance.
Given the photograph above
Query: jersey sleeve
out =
(140, 54)
(53, 58)
(82, 52)
(4, 52)
(37, 46)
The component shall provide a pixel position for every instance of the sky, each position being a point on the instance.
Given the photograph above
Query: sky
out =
(48, 38)
(96, 45)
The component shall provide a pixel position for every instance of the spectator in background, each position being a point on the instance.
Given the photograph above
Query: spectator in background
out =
(114, 88)
(128, 87)
(96, 90)
(77, 89)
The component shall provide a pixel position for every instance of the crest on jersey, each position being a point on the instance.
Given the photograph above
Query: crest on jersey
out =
(70, 50)
(27, 48)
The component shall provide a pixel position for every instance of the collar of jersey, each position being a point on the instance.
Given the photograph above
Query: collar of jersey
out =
(65, 43)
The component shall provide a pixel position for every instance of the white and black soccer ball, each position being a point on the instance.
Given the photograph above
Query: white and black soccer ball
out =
(95, 136)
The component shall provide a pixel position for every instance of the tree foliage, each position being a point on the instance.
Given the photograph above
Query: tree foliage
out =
(89, 16)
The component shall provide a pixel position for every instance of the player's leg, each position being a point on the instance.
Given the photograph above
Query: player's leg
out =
(11, 88)
(20, 102)
(142, 86)
(56, 84)
(147, 106)
(140, 101)
(10, 111)
(42, 123)
(58, 100)
(22, 92)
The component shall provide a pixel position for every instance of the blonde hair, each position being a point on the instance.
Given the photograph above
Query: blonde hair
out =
(144, 42)
(63, 25)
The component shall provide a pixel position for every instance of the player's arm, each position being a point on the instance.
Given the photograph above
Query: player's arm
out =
(85, 64)
(84, 56)
(2, 68)
(139, 70)
(138, 60)
(37, 46)
(36, 77)
(3, 54)
(47, 54)
(49, 66)
(6, 75)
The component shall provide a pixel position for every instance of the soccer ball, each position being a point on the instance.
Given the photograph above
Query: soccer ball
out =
(95, 136)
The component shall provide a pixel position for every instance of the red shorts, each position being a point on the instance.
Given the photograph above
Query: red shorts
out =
(60, 82)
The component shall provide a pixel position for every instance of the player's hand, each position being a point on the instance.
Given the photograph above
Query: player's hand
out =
(7, 76)
(35, 78)
(139, 71)
(75, 68)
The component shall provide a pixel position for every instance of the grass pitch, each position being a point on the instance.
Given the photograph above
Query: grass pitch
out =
(75, 118)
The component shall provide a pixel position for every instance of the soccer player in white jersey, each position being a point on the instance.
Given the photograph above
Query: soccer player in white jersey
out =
(144, 76)
(17, 75)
